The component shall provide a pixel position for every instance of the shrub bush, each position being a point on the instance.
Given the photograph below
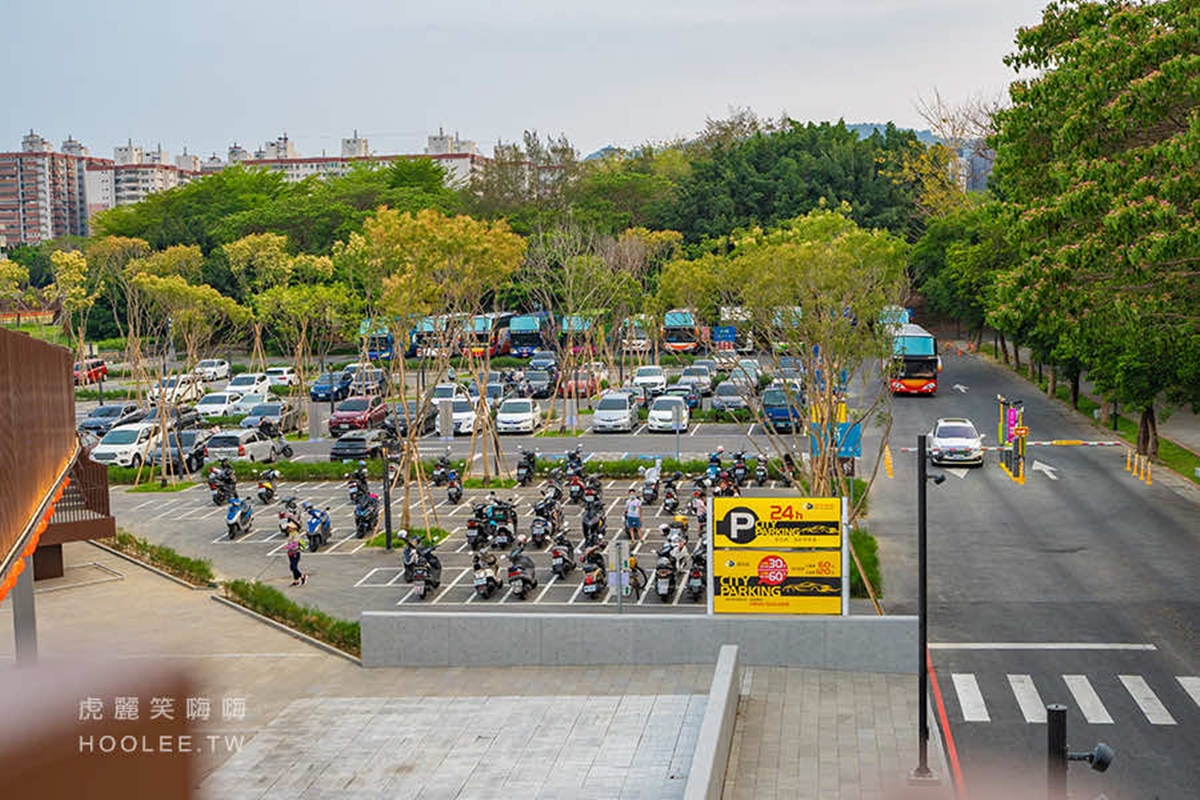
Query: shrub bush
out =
(425, 536)
(272, 603)
(195, 571)
(868, 553)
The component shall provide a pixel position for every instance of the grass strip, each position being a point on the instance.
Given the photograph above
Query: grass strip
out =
(197, 572)
(272, 603)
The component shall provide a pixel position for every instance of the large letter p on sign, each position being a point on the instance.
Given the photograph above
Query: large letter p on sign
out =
(741, 525)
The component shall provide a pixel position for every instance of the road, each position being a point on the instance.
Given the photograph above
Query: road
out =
(1022, 576)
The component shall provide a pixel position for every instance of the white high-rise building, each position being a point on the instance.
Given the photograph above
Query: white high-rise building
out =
(441, 145)
(281, 148)
(188, 162)
(355, 147)
(128, 154)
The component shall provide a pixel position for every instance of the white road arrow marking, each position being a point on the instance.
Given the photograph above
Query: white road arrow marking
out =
(1046, 468)
(957, 472)
(958, 387)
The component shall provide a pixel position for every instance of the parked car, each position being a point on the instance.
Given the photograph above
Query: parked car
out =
(358, 445)
(185, 450)
(88, 441)
(544, 359)
(186, 388)
(357, 412)
(751, 366)
(729, 396)
(517, 415)
(462, 415)
(782, 410)
(90, 370)
(249, 401)
(496, 393)
(448, 391)
(374, 381)
(639, 395)
(248, 444)
(686, 393)
(699, 378)
(616, 411)
(218, 404)
(213, 369)
(331, 386)
(541, 383)
(104, 418)
(126, 446)
(954, 440)
(791, 378)
(744, 380)
(599, 369)
(396, 423)
(578, 383)
(652, 377)
(178, 417)
(283, 376)
(250, 383)
(282, 415)
(662, 414)
(710, 365)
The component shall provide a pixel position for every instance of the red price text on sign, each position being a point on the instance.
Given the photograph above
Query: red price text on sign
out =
(772, 571)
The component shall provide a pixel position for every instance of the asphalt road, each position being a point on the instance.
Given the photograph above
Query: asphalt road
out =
(1022, 576)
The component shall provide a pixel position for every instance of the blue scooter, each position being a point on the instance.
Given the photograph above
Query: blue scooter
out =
(319, 528)
(239, 517)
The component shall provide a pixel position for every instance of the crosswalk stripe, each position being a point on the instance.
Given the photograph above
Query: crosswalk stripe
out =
(1032, 707)
(1156, 713)
(1087, 700)
(969, 698)
(1191, 685)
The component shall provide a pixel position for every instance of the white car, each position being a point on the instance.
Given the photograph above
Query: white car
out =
(176, 389)
(249, 444)
(218, 404)
(463, 415)
(448, 391)
(615, 412)
(698, 378)
(954, 440)
(517, 415)
(598, 369)
(127, 445)
(283, 376)
(249, 383)
(652, 378)
(249, 401)
(662, 414)
(212, 369)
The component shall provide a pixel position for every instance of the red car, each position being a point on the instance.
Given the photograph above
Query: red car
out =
(90, 371)
(358, 412)
(579, 383)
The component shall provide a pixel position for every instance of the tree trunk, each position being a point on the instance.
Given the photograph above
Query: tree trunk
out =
(1147, 438)
(1075, 390)
(1106, 409)
(1052, 381)
(1003, 350)
(1016, 355)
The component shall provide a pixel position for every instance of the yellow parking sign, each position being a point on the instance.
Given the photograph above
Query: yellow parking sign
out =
(777, 582)
(777, 522)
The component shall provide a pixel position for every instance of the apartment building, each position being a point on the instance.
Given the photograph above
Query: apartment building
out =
(43, 193)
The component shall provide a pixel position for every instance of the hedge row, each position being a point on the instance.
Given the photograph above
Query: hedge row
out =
(195, 571)
(868, 553)
(272, 603)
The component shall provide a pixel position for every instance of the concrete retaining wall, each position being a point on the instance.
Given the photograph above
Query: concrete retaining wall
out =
(706, 777)
(428, 639)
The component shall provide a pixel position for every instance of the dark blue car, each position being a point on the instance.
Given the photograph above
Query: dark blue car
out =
(783, 410)
(331, 386)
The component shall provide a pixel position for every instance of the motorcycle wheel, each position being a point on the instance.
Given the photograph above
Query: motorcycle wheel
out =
(232, 531)
(314, 543)
(408, 575)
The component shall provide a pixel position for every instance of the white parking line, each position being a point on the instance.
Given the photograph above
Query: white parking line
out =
(363, 580)
(695, 428)
(406, 596)
(970, 699)
(1191, 685)
(217, 510)
(339, 541)
(399, 577)
(578, 590)
(1156, 713)
(166, 508)
(1032, 707)
(542, 593)
(639, 430)
(143, 505)
(1087, 700)
(750, 430)
(445, 591)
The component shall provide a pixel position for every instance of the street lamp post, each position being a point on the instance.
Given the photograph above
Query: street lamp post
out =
(923, 773)
(387, 497)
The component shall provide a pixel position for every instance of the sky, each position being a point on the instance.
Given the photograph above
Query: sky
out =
(202, 75)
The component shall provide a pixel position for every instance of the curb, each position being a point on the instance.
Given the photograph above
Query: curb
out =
(144, 565)
(317, 643)
(706, 776)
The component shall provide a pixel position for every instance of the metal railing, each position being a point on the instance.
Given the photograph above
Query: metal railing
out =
(86, 498)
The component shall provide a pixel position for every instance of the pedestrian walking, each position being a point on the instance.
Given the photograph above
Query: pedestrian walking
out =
(633, 516)
(293, 548)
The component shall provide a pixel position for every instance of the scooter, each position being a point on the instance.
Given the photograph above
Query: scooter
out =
(562, 555)
(671, 494)
(454, 489)
(593, 491)
(713, 471)
(595, 571)
(526, 467)
(593, 521)
(426, 569)
(740, 470)
(366, 515)
(441, 469)
(649, 485)
(697, 573)
(521, 574)
(240, 516)
(266, 485)
(575, 489)
(281, 446)
(666, 571)
(487, 573)
(289, 516)
(760, 472)
(319, 528)
(222, 483)
(575, 461)
(357, 486)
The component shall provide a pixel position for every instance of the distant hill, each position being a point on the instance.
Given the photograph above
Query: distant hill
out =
(865, 129)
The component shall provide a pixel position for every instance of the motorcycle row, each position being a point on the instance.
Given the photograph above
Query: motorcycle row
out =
(314, 524)
(492, 531)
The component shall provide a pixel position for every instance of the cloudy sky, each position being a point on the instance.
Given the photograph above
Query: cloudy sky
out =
(205, 74)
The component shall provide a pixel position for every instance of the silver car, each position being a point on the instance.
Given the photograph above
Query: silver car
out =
(699, 378)
(954, 440)
(246, 444)
(728, 396)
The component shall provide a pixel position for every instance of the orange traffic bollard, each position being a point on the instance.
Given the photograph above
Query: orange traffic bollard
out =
(1128, 458)
(1149, 474)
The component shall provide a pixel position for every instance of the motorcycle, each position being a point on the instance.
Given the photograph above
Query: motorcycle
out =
(454, 489)
(740, 470)
(266, 485)
(595, 570)
(222, 483)
(575, 488)
(366, 515)
(562, 555)
(593, 491)
(697, 573)
(671, 494)
(441, 469)
(289, 516)
(240, 516)
(526, 467)
(593, 521)
(649, 485)
(575, 461)
(760, 472)
(319, 528)
(487, 573)
(671, 560)
(713, 471)
(426, 568)
(357, 486)
(726, 486)
(272, 432)
(521, 574)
